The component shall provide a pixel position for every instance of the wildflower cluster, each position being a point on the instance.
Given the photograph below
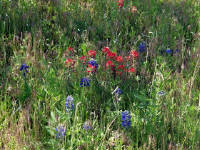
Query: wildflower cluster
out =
(120, 64)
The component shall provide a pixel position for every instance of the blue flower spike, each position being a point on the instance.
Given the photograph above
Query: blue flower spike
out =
(93, 63)
(60, 132)
(24, 68)
(69, 103)
(142, 47)
(85, 82)
(126, 119)
(118, 92)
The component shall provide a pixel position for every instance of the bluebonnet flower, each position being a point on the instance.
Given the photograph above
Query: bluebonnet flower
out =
(168, 51)
(69, 103)
(161, 93)
(87, 125)
(85, 82)
(60, 132)
(93, 63)
(24, 68)
(142, 47)
(126, 119)
(117, 92)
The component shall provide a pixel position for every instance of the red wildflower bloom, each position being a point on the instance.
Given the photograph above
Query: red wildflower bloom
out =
(68, 61)
(109, 63)
(91, 68)
(131, 70)
(92, 53)
(70, 49)
(119, 59)
(120, 66)
(111, 55)
(83, 59)
(134, 53)
(105, 50)
(120, 3)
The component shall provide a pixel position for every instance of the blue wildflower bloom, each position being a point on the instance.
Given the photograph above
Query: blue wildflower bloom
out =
(126, 119)
(87, 125)
(85, 82)
(93, 63)
(142, 47)
(24, 68)
(69, 103)
(168, 51)
(60, 132)
(118, 92)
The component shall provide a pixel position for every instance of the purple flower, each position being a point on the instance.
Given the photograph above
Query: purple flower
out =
(24, 68)
(126, 119)
(85, 82)
(142, 47)
(60, 132)
(69, 103)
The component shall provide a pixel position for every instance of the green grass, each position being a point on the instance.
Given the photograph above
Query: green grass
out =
(38, 33)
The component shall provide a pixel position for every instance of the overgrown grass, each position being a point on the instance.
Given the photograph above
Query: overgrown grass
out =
(38, 32)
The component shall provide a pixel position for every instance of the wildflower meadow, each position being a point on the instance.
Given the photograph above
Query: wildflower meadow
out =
(99, 74)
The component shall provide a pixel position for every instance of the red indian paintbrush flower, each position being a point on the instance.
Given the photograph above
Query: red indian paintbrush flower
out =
(120, 3)
(131, 69)
(134, 53)
(92, 53)
(109, 63)
(119, 59)
(83, 59)
(105, 50)
(70, 49)
(111, 55)
(69, 61)
(121, 67)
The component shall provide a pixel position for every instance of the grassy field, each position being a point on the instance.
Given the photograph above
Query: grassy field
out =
(99, 75)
